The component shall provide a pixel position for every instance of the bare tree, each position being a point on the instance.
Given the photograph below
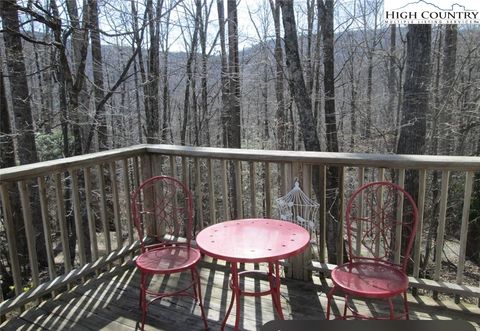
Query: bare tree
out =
(187, 108)
(416, 99)
(416, 91)
(297, 82)
(97, 64)
(233, 124)
(333, 179)
(224, 73)
(22, 112)
(447, 90)
(151, 84)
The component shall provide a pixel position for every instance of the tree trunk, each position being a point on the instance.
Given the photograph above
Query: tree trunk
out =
(447, 90)
(22, 112)
(473, 237)
(333, 179)
(189, 73)
(224, 72)
(7, 159)
(233, 121)
(77, 95)
(151, 86)
(416, 91)
(433, 211)
(7, 152)
(416, 99)
(97, 64)
(204, 118)
(280, 114)
(299, 91)
(391, 75)
(370, 52)
(234, 132)
(353, 103)
(166, 125)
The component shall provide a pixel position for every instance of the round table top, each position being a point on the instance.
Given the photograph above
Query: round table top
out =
(253, 240)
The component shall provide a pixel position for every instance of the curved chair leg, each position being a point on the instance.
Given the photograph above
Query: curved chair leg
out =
(143, 300)
(405, 304)
(345, 307)
(198, 295)
(329, 301)
(390, 305)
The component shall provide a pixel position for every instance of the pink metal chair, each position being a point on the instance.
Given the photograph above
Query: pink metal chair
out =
(165, 204)
(381, 221)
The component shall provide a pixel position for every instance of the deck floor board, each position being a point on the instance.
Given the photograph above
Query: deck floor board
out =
(110, 302)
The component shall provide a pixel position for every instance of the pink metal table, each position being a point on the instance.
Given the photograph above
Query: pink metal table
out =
(253, 241)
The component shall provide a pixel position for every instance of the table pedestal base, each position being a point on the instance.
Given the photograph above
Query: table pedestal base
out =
(273, 276)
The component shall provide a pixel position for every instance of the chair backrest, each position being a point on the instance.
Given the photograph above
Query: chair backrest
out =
(381, 222)
(164, 205)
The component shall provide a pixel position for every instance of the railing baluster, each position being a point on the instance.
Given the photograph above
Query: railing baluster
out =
(77, 215)
(464, 228)
(381, 174)
(361, 181)
(238, 189)
(11, 239)
(157, 165)
(268, 191)
(126, 188)
(307, 179)
(62, 222)
(211, 193)
(253, 190)
(46, 227)
(136, 172)
(283, 183)
(116, 205)
(91, 221)
(185, 177)
(29, 231)
(103, 209)
(341, 218)
(146, 167)
(173, 165)
(322, 213)
(421, 209)
(198, 192)
(441, 224)
(225, 190)
(398, 227)
(378, 214)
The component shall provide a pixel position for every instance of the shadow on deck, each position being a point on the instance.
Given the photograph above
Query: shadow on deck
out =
(110, 302)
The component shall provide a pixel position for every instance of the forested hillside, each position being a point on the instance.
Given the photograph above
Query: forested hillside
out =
(113, 55)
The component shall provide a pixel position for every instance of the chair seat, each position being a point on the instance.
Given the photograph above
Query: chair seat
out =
(368, 279)
(168, 259)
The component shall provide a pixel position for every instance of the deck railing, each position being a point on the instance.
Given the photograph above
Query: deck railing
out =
(97, 187)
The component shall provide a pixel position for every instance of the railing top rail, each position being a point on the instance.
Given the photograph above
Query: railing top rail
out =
(47, 167)
(438, 162)
(461, 163)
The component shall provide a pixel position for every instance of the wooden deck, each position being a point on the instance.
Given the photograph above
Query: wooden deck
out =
(110, 302)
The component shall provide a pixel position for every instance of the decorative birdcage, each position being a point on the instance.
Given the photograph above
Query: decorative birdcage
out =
(298, 208)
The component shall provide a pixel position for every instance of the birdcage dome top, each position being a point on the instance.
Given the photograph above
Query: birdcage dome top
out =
(297, 207)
